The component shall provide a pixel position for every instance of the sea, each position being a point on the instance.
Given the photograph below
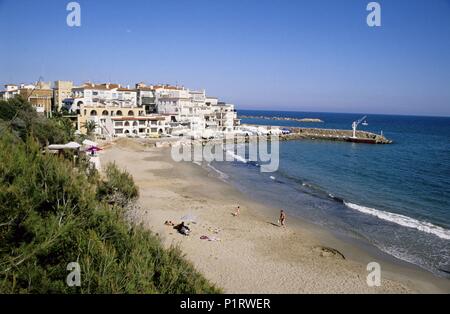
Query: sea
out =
(395, 197)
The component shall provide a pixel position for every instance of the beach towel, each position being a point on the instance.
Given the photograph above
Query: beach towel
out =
(204, 237)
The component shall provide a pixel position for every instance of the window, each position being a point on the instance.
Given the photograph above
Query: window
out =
(93, 113)
(119, 131)
(95, 93)
(154, 130)
(141, 130)
(105, 113)
(119, 113)
(141, 122)
(131, 113)
(119, 123)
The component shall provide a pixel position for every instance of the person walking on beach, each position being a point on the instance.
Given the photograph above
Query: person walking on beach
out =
(282, 218)
(236, 213)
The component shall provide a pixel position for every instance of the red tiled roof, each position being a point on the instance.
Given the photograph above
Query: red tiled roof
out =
(126, 90)
(104, 86)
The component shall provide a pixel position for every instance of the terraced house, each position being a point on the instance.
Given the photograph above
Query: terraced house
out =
(111, 110)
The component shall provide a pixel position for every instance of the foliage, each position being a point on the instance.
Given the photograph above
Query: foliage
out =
(90, 127)
(19, 117)
(52, 214)
(119, 186)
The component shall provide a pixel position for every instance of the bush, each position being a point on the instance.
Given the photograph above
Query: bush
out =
(52, 214)
(119, 186)
(20, 118)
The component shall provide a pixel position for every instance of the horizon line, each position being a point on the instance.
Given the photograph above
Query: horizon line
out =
(362, 112)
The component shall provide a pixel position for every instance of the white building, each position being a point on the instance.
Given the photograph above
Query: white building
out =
(11, 90)
(146, 110)
(226, 117)
(102, 95)
(141, 126)
(170, 99)
(146, 98)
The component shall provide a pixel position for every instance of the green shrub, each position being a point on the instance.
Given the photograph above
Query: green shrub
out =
(52, 214)
(20, 118)
(119, 186)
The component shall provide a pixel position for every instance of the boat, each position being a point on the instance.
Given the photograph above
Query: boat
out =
(365, 123)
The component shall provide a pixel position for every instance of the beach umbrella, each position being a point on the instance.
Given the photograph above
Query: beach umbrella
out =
(72, 145)
(94, 149)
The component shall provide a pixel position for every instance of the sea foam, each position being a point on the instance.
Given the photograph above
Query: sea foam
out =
(221, 174)
(402, 220)
(236, 157)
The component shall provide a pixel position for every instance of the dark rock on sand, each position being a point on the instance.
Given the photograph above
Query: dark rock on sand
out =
(328, 252)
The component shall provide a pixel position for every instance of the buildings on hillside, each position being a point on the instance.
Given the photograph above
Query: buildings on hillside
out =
(40, 95)
(10, 91)
(61, 91)
(112, 110)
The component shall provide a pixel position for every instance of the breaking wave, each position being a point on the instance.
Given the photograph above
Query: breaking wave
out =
(402, 220)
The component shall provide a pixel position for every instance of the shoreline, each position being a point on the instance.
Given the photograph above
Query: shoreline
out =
(253, 256)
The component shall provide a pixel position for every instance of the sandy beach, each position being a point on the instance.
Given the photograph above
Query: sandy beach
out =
(250, 254)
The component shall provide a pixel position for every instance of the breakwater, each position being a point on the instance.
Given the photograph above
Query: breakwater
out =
(277, 118)
(335, 135)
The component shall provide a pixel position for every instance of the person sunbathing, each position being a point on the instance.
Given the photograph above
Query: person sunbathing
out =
(183, 229)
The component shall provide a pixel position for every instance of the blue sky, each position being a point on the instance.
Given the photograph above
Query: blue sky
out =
(303, 55)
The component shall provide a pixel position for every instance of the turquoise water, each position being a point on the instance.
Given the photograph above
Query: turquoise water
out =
(396, 197)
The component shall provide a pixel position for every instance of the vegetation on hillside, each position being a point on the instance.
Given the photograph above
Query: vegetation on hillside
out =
(52, 214)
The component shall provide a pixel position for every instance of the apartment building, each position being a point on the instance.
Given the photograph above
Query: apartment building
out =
(226, 117)
(146, 98)
(170, 99)
(104, 94)
(146, 110)
(39, 95)
(150, 125)
(62, 90)
(99, 102)
(11, 90)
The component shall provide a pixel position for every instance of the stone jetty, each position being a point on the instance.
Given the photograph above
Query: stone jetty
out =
(335, 135)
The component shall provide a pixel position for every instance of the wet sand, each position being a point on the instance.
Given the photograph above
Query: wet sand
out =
(251, 253)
